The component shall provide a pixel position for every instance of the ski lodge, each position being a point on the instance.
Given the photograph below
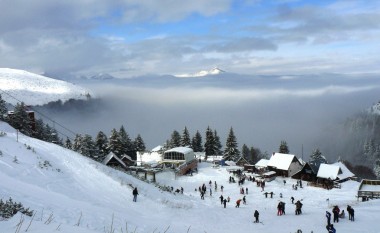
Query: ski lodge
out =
(181, 158)
(284, 164)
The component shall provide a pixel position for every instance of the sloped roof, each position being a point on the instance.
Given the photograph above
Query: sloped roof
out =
(281, 161)
(110, 156)
(262, 163)
(345, 172)
(157, 148)
(328, 171)
(126, 156)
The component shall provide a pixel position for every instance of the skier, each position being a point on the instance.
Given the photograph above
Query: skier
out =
(224, 202)
(135, 193)
(328, 216)
(330, 228)
(238, 203)
(221, 199)
(256, 215)
(292, 199)
(244, 202)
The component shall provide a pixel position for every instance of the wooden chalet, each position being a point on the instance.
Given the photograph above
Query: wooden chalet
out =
(241, 161)
(127, 160)
(284, 164)
(369, 189)
(306, 173)
(113, 160)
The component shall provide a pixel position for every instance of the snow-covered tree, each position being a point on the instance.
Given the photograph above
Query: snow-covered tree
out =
(68, 144)
(114, 143)
(77, 144)
(3, 109)
(175, 140)
(284, 149)
(217, 144)
(139, 143)
(185, 139)
(231, 151)
(88, 147)
(126, 142)
(196, 142)
(20, 119)
(101, 142)
(316, 159)
(209, 143)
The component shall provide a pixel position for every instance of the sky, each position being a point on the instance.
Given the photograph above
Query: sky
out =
(70, 193)
(128, 38)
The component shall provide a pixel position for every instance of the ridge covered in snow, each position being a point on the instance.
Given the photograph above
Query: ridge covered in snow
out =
(73, 194)
(34, 89)
(214, 71)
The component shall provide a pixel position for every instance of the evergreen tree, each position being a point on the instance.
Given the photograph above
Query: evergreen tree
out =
(284, 149)
(185, 139)
(88, 147)
(255, 154)
(231, 151)
(196, 142)
(126, 142)
(101, 142)
(316, 158)
(40, 129)
(115, 143)
(77, 144)
(175, 140)
(20, 119)
(3, 109)
(68, 144)
(139, 144)
(209, 143)
(245, 152)
(217, 144)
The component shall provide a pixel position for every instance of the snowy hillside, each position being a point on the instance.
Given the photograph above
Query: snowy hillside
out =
(35, 89)
(214, 71)
(79, 195)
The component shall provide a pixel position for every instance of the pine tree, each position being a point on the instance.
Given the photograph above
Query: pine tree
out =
(68, 144)
(175, 140)
(39, 131)
(217, 144)
(88, 147)
(255, 155)
(20, 119)
(139, 144)
(245, 152)
(231, 151)
(209, 143)
(101, 142)
(284, 149)
(185, 139)
(3, 109)
(196, 142)
(126, 142)
(316, 159)
(77, 144)
(114, 144)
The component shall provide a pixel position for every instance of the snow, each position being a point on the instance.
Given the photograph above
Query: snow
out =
(345, 172)
(280, 161)
(84, 196)
(328, 171)
(33, 89)
(262, 163)
(183, 150)
(370, 188)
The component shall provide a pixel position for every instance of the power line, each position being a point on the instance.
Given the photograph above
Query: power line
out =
(42, 114)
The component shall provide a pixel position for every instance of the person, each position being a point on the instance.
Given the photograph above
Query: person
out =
(256, 215)
(352, 214)
(238, 203)
(284, 182)
(298, 207)
(221, 188)
(279, 209)
(266, 194)
(246, 190)
(336, 212)
(181, 190)
(292, 199)
(271, 194)
(328, 216)
(349, 212)
(221, 199)
(342, 215)
(202, 195)
(330, 228)
(228, 199)
(224, 202)
(244, 201)
(135, 193)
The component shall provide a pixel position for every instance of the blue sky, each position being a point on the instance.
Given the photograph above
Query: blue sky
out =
(127, 38)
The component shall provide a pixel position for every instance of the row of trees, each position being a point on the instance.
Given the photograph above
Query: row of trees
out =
(212, 145)
(119, 142)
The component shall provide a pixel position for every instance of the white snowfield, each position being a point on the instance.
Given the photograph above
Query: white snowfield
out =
(83, 196)
(34, 89)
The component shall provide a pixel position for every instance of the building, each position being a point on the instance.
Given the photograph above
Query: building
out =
(113, 161)
(181, 158)
(337, 172)
(284, 164)
(369, 189)
(306, 173)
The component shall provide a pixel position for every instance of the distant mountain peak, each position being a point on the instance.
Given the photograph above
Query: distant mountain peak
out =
(202, 73)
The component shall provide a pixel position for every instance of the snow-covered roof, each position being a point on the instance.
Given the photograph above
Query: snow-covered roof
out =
(110, 156)
(281, 161)
(234, 168)
(328, 171)
(157, 148)
(230, 163)
(183, 150)
(345, 172)
(262, 163)
(126, 156)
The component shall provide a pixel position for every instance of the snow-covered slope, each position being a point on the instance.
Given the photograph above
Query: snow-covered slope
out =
(83, 196)
(214, 71)
(34, 89)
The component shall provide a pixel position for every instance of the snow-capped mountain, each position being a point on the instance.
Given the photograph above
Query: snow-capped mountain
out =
(214, 71)
(34, 89)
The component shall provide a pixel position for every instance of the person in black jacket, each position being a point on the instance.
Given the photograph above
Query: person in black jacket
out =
(256, 215)
(135, 193)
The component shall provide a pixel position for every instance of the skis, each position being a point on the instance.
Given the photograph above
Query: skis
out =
(258, 222)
